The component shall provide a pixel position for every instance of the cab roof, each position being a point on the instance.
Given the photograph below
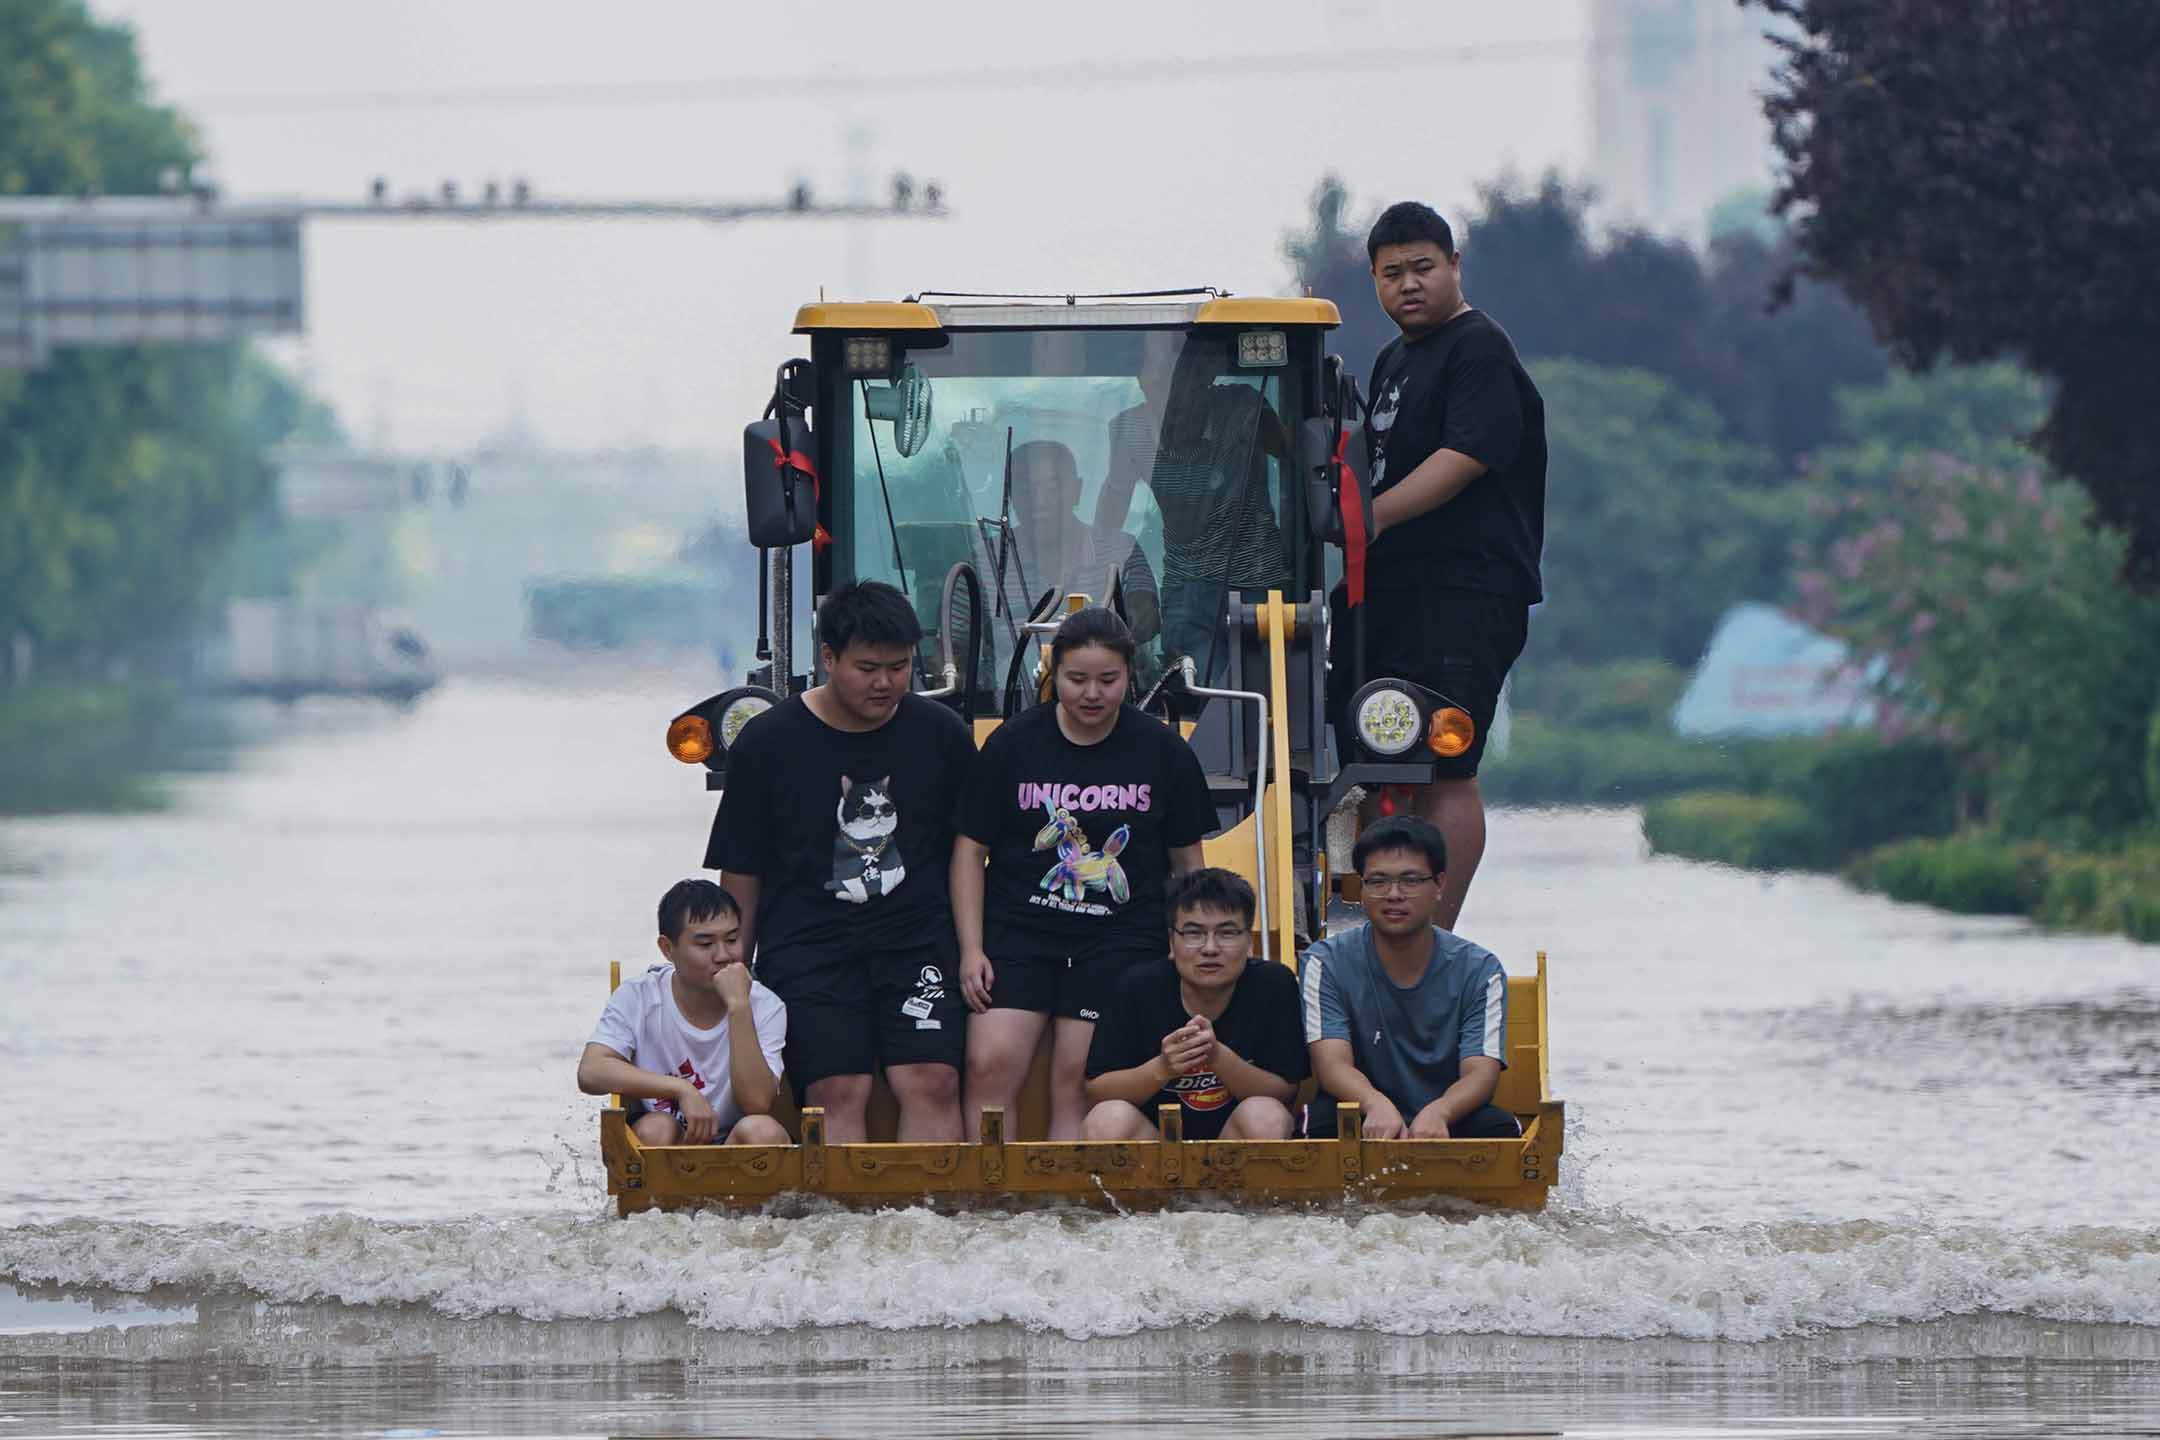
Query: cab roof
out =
(1079, 311)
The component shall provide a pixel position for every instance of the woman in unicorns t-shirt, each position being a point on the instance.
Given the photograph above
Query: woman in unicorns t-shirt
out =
(1083, 809)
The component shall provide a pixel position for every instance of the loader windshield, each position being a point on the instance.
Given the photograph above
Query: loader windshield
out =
(1146, 466)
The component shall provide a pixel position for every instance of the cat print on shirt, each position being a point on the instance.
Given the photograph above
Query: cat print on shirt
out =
(866, 859)
(1383, 420)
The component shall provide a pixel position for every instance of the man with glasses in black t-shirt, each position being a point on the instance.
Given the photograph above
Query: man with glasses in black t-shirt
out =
(1456, 440)
(1209, 1029)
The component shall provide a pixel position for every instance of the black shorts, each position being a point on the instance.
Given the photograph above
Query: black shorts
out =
(1458, 643)
(1069, 987)
(855, 1012)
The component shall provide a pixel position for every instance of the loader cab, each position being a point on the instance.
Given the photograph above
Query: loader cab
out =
(1026, 441)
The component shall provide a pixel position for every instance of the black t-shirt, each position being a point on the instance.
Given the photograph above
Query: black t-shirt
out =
(1461, 388)
(851, 833)
(1080, 835)
(1263, 1025)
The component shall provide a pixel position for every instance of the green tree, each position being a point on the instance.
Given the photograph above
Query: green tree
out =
(75, 111)
(1979, 176)
(1998, 602)
(124, 474)
(1657, 521)
(1983, 415)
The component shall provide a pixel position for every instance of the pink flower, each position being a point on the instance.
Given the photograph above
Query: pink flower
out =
(1949, 525)
(1922, 623)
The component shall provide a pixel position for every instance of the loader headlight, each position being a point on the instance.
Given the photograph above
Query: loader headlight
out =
(739, 712)
(1389, 719)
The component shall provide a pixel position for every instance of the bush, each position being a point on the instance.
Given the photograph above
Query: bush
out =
(2152, 765)
(2119, 891)
(1975, 874)
(1755, 832)
(1548, 764)
(1866, 792)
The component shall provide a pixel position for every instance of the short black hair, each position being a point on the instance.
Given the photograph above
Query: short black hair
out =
(1208, 888)
(867, 612)
(1092, 626)
(1405, 223)
(1401, 832)
(689, 901)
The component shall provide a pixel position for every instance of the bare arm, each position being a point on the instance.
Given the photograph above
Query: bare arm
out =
(1438, 480)
(1134, 1086)
(745, 889)
(1245, 1079)
(1336, 1070)
(756, 1087)
(964, 884)
(601, 1071)
(1114, 501)
(1473, 1087)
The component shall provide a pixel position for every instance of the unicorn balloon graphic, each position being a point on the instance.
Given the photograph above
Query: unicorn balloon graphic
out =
(1080, 869)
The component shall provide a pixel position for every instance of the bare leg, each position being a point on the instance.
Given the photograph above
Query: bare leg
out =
(1068, 1076)
(1457, 809)
(653, 1128)
(1116, 1120)
(844, 1098)
(758, 1130)
(1258, 1118)
(929, 1096)
(1000, 1047)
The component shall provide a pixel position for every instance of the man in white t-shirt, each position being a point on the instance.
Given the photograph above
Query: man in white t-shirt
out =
(695, 1043)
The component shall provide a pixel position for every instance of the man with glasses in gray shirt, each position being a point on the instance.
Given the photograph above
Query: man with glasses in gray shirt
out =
(1403, 1017)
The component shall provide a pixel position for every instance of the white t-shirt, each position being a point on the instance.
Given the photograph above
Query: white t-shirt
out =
(643, 1025)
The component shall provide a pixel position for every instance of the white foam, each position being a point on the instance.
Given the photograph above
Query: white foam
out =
(1084, 1274)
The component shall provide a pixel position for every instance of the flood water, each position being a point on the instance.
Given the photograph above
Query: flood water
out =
(292, 1147)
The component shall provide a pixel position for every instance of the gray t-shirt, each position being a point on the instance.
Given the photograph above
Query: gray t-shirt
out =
(1409, 1042)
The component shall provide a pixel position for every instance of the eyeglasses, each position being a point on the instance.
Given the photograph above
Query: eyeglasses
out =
(1226, 936)
(1394, 884)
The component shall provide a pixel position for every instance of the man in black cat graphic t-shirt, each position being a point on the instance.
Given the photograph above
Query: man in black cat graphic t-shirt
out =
(835, 836)
(1456, 440)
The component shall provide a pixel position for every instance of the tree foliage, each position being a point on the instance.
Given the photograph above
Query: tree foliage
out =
(1659, 521)
(1997, 601)
(1633, 299)
(124, 473)
(75, 111)
(1983, 177)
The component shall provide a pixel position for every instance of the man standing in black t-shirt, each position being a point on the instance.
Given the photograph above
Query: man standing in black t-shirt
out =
(1456, 440)
(835, 836)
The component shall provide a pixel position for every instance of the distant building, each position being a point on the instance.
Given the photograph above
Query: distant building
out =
(1676, 109)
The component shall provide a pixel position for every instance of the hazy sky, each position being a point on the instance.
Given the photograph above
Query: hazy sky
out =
(627, 333)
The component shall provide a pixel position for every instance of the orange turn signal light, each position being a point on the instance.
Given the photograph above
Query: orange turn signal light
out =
(690, 739)
(1451, 732)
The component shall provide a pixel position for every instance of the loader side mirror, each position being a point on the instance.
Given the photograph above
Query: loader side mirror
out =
(1316, 459)
(779, 483)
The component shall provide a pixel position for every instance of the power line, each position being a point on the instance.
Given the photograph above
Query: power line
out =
(733, 89)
